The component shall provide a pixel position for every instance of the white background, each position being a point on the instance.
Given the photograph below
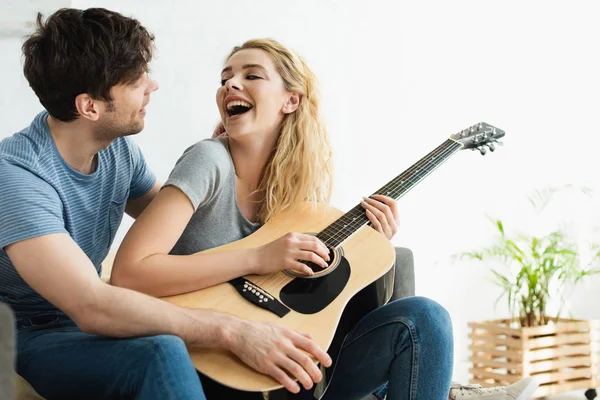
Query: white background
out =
(398, 77)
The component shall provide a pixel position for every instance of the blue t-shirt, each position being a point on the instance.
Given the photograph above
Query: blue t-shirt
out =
(41, 194)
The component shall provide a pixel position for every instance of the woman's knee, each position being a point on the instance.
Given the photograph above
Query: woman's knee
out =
(432, 310)
(425, 314)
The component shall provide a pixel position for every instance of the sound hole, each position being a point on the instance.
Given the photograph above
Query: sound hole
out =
(335, 255)
(331, 264)
(309, 296)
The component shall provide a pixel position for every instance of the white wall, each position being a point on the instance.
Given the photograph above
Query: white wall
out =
(18, 17)
(398, 78)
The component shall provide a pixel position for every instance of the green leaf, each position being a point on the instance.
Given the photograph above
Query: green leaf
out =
(500, 226)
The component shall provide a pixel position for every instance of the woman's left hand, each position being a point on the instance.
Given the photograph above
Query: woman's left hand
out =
(382, 211)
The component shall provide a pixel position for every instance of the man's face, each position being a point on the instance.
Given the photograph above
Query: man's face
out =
(124, 115)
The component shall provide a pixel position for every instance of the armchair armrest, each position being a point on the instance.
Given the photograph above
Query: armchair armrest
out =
(404, 281)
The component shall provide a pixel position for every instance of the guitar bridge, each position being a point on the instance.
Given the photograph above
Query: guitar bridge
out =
(259, 297)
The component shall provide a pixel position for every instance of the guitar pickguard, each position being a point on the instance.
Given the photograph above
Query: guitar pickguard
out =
(309, 296)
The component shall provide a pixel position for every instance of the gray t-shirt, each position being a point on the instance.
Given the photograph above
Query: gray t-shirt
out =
(205, 173)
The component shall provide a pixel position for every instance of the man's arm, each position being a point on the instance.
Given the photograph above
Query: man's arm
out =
(134, 207)
(55, 267)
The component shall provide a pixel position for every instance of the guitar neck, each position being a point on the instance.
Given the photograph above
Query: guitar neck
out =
(353, 220)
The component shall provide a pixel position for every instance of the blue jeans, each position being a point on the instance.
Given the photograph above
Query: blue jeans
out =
(406, 345)
(61, 362)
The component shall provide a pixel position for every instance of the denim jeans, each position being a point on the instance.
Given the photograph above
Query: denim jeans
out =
(61, 362)
(405, 345)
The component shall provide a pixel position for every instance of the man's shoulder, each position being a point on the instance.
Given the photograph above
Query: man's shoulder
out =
(25, 148)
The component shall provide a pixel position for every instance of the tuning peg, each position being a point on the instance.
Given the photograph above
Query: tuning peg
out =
(491, 146)
(482, 150)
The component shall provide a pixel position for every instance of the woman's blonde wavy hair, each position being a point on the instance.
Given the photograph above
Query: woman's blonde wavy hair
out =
(301, 167)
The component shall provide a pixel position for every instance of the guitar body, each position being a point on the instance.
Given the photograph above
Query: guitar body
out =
(367, 257)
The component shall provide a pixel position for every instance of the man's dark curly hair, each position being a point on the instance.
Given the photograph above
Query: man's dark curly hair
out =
(84, 51)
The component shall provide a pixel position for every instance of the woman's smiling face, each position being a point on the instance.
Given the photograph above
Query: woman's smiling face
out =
(252, 97)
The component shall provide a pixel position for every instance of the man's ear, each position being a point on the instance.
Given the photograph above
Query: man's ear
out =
(292, 103)
(87, 107)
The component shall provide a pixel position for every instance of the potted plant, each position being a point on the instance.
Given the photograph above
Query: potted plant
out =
(532, 270)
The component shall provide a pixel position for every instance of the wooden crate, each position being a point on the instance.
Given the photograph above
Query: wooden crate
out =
(563, 355)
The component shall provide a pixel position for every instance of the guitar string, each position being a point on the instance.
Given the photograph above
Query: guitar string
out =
(443, 151)
(338, 229)
(400, 187)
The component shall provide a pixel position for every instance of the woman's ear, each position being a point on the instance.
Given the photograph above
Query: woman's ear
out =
(292, 103)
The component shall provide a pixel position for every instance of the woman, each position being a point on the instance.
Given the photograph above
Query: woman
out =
(276, 154)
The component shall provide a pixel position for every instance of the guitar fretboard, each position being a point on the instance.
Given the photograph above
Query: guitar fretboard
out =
(356, 218)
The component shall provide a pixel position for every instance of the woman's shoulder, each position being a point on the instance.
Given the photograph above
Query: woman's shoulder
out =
(208, 152)
(202, 171)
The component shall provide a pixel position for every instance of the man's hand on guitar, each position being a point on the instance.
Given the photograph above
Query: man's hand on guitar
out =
(285, 252)
(382, 211)
(279, 352)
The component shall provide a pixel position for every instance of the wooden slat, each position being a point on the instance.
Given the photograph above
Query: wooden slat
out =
(491, 327)
(545, 354)
(489, 345)
(483, 373)
(557, 340)
(509, 365)
(498, 341)
(564, 375)
(563, 326)
(547, 390)
(513, 355)
(542, 366)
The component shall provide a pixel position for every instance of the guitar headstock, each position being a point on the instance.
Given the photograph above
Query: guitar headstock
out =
(480, 136)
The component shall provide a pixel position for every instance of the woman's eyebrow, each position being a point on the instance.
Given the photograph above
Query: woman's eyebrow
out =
(245, 66)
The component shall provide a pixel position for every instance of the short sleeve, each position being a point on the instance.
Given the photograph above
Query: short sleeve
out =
(143, 179)
(29, 206)
(201, 171)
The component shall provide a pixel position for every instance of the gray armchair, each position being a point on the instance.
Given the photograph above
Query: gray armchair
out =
(404, 282)
(7, 352)
(404, 286)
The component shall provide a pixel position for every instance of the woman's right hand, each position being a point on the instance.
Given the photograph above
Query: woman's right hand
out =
(285, 252)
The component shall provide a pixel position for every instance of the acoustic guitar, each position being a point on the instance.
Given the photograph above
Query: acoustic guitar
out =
(359, 277)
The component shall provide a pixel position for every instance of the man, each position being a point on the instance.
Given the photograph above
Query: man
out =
(67, 179)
